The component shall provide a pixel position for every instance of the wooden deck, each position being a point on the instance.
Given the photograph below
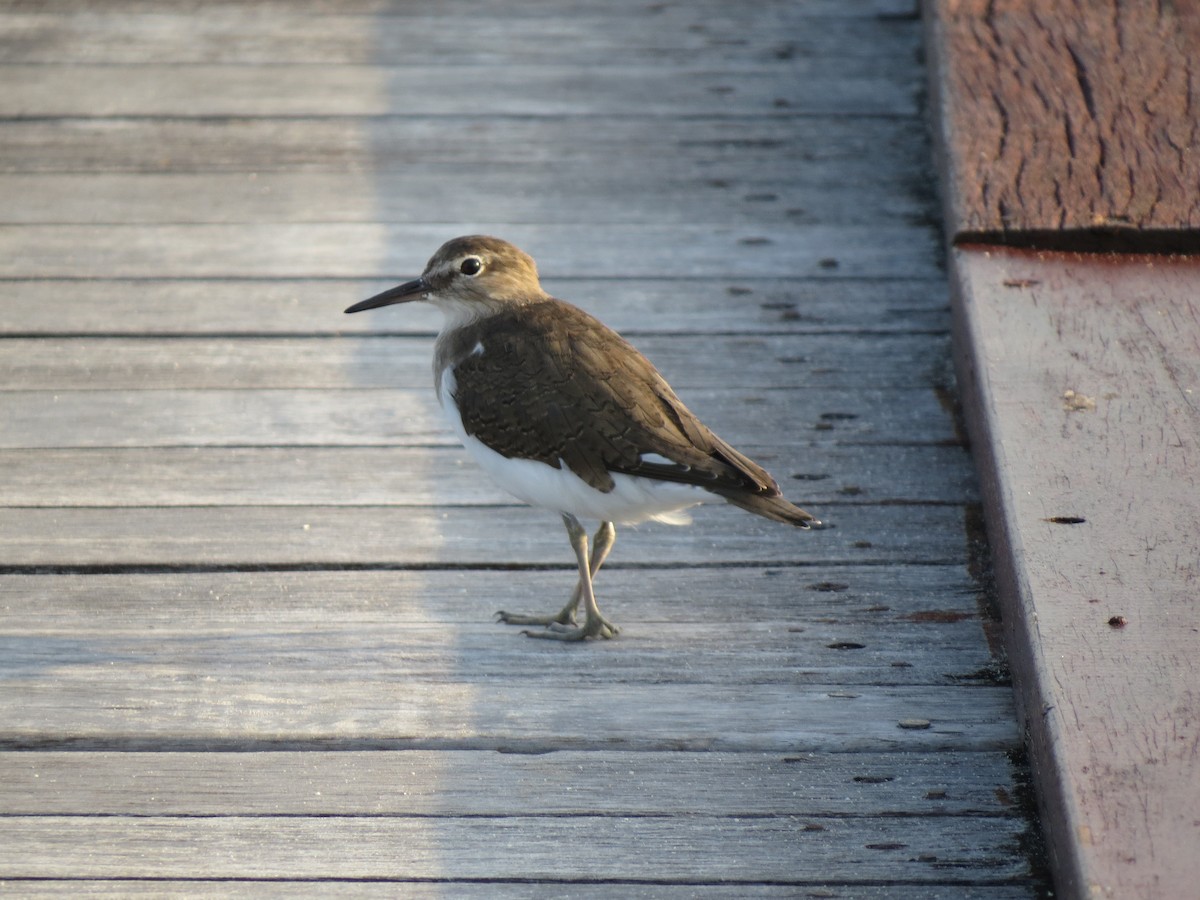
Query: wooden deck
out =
(247, 576)
(1068, 130)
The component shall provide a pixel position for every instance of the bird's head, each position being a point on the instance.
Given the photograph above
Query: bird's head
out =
(468, 277)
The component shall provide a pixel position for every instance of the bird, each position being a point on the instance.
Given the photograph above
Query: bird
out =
(566, 415)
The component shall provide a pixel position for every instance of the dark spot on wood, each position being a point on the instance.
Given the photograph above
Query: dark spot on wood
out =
(995, 673)
(822, 426)
(755, 241)
(1118, 622)
(831, 587)
(914, 724)
(720, 89)
(879, 607)
(718, 183)
(874, 779)
(828, 263)
(935, 795)
(785, 52)
(791, 360)
(851, 490)
(812, 826)
(846, 645)
(900, 664)
(1003, 797)
(736, 290)
(796, 629)
(778, 305)
(761, 198)
(939, 615)
(781, 103)
(862, 545)
(1066, 520)
(838, 416)
(1020, 282)
(888, 845)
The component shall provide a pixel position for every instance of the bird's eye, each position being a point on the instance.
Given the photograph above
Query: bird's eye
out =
(471, 265)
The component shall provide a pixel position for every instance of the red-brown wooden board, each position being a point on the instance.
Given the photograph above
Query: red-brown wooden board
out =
(1071, 125)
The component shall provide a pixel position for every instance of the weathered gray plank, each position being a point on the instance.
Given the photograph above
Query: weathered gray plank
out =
(493, 890)
(826, 598)
(774, 32)
(169, 706)
(405, 476)
(521, 197)
(710, 155)
(517, 10)
(1016, 890)
(783, 850)
(509, 90)
(356, 250)
(816, 626)
(1084, 373)
(733, 362)
(455, 536)
(459, 783)
(165, 418)
(642, 306)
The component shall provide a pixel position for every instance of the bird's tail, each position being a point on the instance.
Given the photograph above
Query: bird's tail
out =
(772, 507)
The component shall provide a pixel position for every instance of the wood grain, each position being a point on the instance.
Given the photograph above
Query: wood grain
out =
(813, 625)
(377, 250)
(710, 362)
(290, 307)
(729, 851)
(411, 417)
(515, 89)
(1070, 126)
(701, 153)
(410, 476)
(456, 536)
(461, 783)
(120, 33)
(1084, 376)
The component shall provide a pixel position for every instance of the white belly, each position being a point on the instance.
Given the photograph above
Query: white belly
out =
(631, 500)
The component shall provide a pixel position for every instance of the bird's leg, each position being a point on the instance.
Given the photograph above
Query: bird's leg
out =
(594, 624)
(601, 545)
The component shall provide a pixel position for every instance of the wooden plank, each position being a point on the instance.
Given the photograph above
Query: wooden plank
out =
(516, 10)
(197, 708)
(459, 783)
(357, 250)
(407, 476)
(492, 890)
(852, 625)
(782, 850)
(1070, 126)
(788, 33)
(454, 537)
(282, 306)
(513, 89)
(733, 362)
(399, 417)
(701, 153)
(826, 598)
(519, 197)
(1093, 362)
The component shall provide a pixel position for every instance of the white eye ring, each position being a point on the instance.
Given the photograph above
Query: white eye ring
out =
(471, 266)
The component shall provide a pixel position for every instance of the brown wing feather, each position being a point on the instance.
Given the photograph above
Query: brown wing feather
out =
(584, 396)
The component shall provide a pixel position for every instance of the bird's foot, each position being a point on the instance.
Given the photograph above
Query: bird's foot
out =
(593, 627)
(564, 619)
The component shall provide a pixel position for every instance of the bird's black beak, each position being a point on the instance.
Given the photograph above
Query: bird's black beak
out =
(402, 293)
